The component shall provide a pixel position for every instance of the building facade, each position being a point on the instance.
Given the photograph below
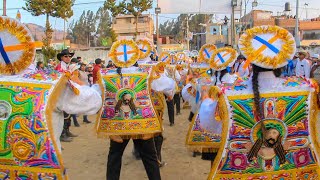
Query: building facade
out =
(125, 25)
(309, 30)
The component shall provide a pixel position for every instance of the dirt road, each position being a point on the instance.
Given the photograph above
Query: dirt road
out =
(86, 157)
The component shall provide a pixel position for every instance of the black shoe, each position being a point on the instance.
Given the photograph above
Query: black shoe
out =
(171, 124)
(69, 134)
(86, 121)
(162, 164)
(65, 138)
(76, 124)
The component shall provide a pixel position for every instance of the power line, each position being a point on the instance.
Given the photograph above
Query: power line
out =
(75, 4)
(273, 5)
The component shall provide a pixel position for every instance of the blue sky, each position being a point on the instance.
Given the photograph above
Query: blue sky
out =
(313, 10)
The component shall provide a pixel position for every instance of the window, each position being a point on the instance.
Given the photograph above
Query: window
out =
(141, 20)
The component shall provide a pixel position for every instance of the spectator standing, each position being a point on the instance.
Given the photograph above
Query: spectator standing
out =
(241, 60)
(51, 64)
(96, 70)
(79, 60)
(315, 72)
(110, 64)
(303, 67)
(40, 66)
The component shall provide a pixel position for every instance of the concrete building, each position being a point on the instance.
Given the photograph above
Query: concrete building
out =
(125, 25)
(220, 33)
(309, 29)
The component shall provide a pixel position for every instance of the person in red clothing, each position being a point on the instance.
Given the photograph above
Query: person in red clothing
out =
(96, 70)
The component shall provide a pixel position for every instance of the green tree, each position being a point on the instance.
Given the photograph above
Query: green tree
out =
(133, 7)
(106, 36)
(82, 29)
(178, 29)
(54, 8)
(115, 7)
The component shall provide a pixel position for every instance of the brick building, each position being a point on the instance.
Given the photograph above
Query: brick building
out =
(309, 29)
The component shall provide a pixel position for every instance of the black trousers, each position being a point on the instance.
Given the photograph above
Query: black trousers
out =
(67, 122)
(147, 152)
(170, 107)
(158, 140)
(191, 116)
(176, 99)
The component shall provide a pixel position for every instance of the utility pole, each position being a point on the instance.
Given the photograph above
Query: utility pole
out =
(296, 32)
(233, 41)
(188, 41)
(4, 7)
(305, 7)
(158, 10)
(64, 34)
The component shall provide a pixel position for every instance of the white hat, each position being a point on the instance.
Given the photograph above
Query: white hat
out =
(267, 46)
(223, 58)
(316, 56)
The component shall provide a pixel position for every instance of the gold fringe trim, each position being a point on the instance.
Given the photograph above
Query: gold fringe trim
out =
(114, 54)
(181, 56)
(102, 88)
(285, 52)
(133, 135)
(313, 122)
(129, 136)
(202, 55)
(144, 43)
(51, 105)
(270, 175)
(218, 67)
(202, 149)
(20, 32)
(164, 54)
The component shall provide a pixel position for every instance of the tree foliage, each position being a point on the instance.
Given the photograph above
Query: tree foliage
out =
(54, 8)
(93, 27)
(133, 7)
(178, 27)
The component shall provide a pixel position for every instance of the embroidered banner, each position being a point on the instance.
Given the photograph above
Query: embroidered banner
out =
(27, 147)
(286, 135)
(128, 109)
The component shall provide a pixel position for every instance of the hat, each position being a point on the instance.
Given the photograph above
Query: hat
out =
(124, 53)
(223, 58)
(63, 53)
(89, 66)
(17, 46)
(205, 52)
(241, 57)
(267, 46)
(74, 60)
(315, 56)
(305, 53)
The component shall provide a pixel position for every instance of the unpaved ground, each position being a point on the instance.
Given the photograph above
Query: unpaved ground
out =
(86, 157)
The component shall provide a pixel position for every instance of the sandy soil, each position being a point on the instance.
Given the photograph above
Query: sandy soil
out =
(86, 157)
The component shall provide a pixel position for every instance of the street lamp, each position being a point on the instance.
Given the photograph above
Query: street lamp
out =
(234, 3)
(296, 31)
(254, 3)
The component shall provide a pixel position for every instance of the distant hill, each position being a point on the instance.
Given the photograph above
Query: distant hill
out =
(38, 32)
